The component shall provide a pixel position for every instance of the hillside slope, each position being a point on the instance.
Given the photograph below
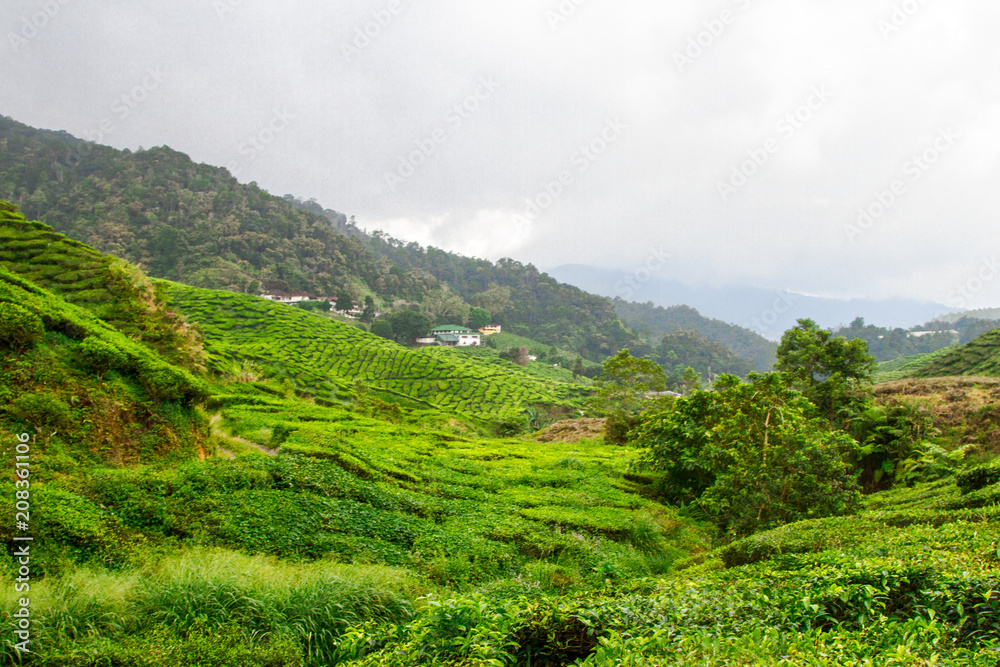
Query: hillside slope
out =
(195, 224)
(980, 356)
(654, 322)
(89, 393)
(109, 288)
(326, 358)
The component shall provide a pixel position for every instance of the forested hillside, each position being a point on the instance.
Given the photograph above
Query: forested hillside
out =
(891, 344)
(196, 224)
(653, 322)
(185, 221)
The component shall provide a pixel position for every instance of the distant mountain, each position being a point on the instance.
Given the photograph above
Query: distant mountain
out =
(655, 322)
(986, 314)
(766, 311)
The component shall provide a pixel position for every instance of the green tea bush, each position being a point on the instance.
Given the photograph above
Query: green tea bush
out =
(316, 355)
(978, 478)
(169, 383)
(44, 411)
(102, 356)
(19, 327)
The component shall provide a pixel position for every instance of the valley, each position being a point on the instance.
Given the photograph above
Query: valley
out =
(221, 479)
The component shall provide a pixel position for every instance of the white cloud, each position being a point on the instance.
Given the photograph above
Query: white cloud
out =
(656, 184)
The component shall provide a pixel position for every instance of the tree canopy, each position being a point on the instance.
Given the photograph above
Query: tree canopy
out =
(833, 372)
(622, 388)
(751, 455)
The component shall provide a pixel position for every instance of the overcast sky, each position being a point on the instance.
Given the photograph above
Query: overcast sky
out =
(743, 138)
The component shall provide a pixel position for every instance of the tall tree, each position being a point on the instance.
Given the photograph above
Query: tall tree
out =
(752, 456)
(408, 325)
(495, 299)
(368, 314)
(833, 372)
(623, 385)
(345, 301)
(479, 317)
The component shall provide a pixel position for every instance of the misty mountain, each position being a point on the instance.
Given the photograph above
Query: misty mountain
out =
(768, 312)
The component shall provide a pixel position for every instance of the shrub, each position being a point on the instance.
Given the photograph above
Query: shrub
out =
(167, 383)
(102, 356)
(46, 411)
(893, 443)
(617, 427)
(19, 327)
(510, 425)
(978, 478)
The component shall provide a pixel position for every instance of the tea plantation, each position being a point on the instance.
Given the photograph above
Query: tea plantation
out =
(315, 496)
(325, 358)
(107, 287)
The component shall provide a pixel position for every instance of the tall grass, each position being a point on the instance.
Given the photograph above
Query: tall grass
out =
(206, 589)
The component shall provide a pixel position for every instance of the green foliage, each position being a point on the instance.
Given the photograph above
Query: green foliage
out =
(831, 371)
(978, 478)
(682, 349)
(325, 358)
(108, 288)
(906, 367)
(102, 396)
(975, 358)
(623, 386)
(895, 447)
(368, 312)
(751, 456)
(382, 328)
(201, 646)
(408, 325)
(321, 306)
(102, 356)
(345, 301)
(889, 344)
(479, 318)
(657, 322)
(42, 411)
(19, 327)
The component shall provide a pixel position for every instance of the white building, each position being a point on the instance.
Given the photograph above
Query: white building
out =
(455, 336)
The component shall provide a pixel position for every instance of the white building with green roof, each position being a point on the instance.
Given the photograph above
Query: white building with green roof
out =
(456, 336)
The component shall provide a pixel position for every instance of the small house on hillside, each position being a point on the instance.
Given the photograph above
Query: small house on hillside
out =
(454, 336)
(490, 329)
(286, 297)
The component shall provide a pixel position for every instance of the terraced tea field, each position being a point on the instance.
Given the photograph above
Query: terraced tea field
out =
(325, 358)
(76, 271)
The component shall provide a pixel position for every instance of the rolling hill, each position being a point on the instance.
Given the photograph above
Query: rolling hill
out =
(354, 530)
(195, 224)
(327, 358)
(978, 357)
(156, 545)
